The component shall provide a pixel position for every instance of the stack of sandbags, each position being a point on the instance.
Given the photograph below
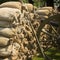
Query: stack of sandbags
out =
(34, 19)
(28, 40)
(36, 22)
(37, 16)
(17, 40)
(18, 5)
(16, 31)
(44, 14)
(8, 22)
(40, 15)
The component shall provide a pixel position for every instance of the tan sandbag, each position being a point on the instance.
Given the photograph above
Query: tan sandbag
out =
(43, 12)
(5, 24)
(28, 7)
(11, 4)
(31, 16)
(8, 32)
(9, 14)
(4, 54)
(3, 41)
(6, 51)
(48, 8)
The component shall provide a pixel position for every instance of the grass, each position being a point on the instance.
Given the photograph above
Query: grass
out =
(53, 53)
(37, 58)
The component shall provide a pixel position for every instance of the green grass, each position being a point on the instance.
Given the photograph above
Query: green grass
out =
(37, 58)
(53, 53)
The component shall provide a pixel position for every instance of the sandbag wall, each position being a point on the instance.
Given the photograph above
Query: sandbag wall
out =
(7, 34)
(16, 32)
(27, 38)
(45, 13)
(17, 40)
(37, 18)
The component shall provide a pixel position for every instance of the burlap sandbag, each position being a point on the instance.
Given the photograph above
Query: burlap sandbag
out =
(12, 4)
(9, 14)
(3, 41)
(43, 12)
(48, 8)
(28, 7)
(7, 32)
(6, 51)
(5, 24)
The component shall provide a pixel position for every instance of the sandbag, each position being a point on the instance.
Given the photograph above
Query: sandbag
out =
(5, 24)
(9, 14)
(6, 52)
(48, 8)
(43, 12)
(7, 32)
(3, 41)
(28, 7)
(11, 4)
